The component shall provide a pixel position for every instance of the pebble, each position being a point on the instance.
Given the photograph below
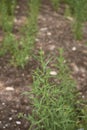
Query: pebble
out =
(9, 88)
(83, 96)
(4, 127)
(23, 74)
(49, 33)
(41, 17)
(74, 48)
(51, 47)
(10, 118)
(18, 122)
(43, 29)
(3, 103)
(17, 7)
(0, 122)
(70, 18)
(53, 73)
(37, 40)
(64, 61)
(15, 20)
(13, 111)
(81, 129)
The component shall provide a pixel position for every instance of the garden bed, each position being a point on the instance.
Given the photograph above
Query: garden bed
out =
(54, 31)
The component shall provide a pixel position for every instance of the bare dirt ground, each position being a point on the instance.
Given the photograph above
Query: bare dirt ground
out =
(54, 31)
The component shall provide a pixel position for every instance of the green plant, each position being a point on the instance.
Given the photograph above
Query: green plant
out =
(53, 103)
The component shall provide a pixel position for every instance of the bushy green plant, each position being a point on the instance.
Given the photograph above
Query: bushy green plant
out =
(53, 103)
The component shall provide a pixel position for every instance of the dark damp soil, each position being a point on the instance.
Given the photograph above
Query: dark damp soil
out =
(54, 31)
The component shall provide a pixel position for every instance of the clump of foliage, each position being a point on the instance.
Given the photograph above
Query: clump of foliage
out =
(54, 104)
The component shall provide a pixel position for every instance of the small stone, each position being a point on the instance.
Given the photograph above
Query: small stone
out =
(51, 47)
(3, 103)
(64, 61)
(23, 74)
(49, 33)
(74, 48)
(18, 122)
(43, 29)
(9, 88)
(10, 118)
(15, 20)
(6, 125)
(70, 18)
(13, 111)
(53, 73)
(0, 122)
(81, 129)
(83, 96)
(37, 40)
(17, 7)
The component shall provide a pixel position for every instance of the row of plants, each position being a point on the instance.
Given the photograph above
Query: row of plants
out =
(54, 99)
(28, 33)
(76, 9)
(7, 8)
(21, 49)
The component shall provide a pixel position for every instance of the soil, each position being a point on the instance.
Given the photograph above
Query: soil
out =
(54, 31)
